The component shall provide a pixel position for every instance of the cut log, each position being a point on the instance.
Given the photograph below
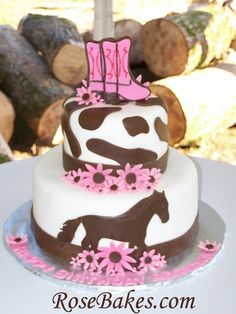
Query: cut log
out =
(233, 44)
(179, 43)
(143, 70)
(200, 103)
(7, 117)
(5, 151)
(132, 29)
(60, 43)
(35, 94)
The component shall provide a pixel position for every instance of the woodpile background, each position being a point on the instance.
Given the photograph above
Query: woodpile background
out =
(184, 55)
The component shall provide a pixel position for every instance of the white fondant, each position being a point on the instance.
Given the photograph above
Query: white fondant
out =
(79, 234)
(113, 131)
(105, 242)
(56, 201)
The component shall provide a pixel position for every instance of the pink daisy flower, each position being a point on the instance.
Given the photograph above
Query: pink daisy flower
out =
(75, 262)
(133, 176)
(89, 260)
(74, 176)
(85, 96)
(154, 177)
(116, 258)
(152, 261)
(17, 239)
(95, 177)
(113, 184)
(209, 246)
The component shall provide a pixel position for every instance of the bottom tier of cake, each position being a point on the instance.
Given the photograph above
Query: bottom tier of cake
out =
(67, 219)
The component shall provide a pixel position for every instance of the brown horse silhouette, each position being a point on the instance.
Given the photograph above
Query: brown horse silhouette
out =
(129, 227)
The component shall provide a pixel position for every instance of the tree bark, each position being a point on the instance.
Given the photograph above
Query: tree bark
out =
(60, 43)
(200, 103)
(179, 43)
(7, 117)
(35, 94)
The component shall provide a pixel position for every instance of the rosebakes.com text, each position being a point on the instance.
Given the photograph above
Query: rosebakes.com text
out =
(128, 301)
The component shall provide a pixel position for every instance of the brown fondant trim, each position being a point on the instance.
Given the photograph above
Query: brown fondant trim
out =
(92, 118)
(169, 249)
(135, 125)
(71, 163)
(120, 154)
(153, 101)
(161, 129)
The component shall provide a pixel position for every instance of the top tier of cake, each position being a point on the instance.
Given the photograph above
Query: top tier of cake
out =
(134, 132)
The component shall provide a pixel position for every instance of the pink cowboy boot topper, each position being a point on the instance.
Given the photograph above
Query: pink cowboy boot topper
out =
(109, 72)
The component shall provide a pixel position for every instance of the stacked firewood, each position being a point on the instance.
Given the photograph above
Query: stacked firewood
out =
(189, 51)
(182, 54)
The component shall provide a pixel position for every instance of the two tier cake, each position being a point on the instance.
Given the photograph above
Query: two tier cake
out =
(114, 185)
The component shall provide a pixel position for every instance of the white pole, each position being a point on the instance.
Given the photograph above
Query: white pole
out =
(103, 19)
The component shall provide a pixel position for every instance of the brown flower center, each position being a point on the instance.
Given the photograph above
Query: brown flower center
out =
(147, 260)
(209, 246)
(113, 187)
(131, 178)
(77, 179)
(115, 257)
(18, 240)
(98, 177)
(89, 259)
(85, 96)
(151, 179)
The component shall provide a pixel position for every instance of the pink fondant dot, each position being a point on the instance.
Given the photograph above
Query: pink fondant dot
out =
(61, 274)
(48, 268)
(70, 276)
(79, 278)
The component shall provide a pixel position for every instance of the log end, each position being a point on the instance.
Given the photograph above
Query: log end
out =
(46, 127)
(176, 118)
(164, 47)
(7, 117)
(70, 64)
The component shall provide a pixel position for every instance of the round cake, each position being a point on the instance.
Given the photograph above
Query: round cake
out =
(164, 218)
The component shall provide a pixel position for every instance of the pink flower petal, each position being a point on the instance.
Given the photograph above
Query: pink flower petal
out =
(130, 259)
(151, 253)
(104, 263)
(85, 83)
(137, 167)
(119, 269)
(127, 167)
(107, 171)
(109, 268)
(99, 167)
(126, 265)
(90, 168)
